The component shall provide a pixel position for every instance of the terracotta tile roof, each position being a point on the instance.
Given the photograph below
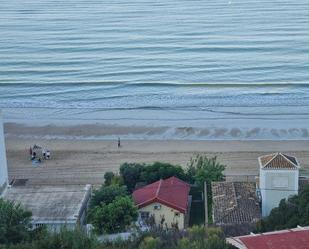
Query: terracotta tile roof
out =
(278, 161)
(235, 203)
(297, 238)
(171, 192)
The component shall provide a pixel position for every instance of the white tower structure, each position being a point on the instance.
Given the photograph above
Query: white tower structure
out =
(3, 163)
(278, 179)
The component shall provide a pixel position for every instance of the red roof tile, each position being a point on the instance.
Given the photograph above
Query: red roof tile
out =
(286, 239)
(278, 161)
(171, 192)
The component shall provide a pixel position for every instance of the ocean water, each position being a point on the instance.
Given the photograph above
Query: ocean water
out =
(215, 69)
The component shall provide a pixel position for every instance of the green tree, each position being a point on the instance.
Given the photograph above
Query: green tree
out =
(131, 174)
(107, 194)
(160, 170)
(108, 176)
(113, 217)
(202, 169)
(15, 223)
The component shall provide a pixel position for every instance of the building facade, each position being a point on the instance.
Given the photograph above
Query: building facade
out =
(163, 215)
(53, 206)
(165, 201)
(279, 175)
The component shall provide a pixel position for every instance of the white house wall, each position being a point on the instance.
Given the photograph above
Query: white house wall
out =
(276, 185)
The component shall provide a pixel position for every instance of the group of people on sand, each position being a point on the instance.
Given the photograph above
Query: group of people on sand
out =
(38, 153)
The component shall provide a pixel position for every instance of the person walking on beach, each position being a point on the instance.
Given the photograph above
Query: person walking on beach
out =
(119, 145)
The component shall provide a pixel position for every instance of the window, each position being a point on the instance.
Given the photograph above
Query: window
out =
(144, 215)
(157, 207)
(280, 182)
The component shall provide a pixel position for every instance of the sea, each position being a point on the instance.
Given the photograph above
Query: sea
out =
(199, 69)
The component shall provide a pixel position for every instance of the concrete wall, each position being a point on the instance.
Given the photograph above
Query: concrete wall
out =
(168, 213)
(3, 162)
(276, 185)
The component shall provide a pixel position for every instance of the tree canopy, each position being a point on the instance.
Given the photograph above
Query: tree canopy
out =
(107, 194)
(290, 213)
(15, 223)
(133, 173)
(111, 209)
(202, 169)
(115, 216)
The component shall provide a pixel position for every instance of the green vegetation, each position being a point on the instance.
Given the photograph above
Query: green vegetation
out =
(199, 237)
(113, 217)
(106, 194)
(14, 223)
(196, 237)
(65, 239)
(203, 169)
(290, 213)
(133, 173)
(108, 178)
(111, 209)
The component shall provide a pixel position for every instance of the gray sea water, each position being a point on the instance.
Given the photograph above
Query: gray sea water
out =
(190, 65)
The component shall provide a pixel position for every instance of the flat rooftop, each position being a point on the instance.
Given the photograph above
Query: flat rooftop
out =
(51, 203)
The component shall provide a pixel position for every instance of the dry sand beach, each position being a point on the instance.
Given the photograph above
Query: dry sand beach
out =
(86, 161)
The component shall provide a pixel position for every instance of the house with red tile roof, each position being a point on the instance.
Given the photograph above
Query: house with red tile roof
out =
(167, 201)
(297, 238)
(279, 179)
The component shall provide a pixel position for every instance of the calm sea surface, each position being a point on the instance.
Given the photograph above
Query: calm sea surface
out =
(215, 64)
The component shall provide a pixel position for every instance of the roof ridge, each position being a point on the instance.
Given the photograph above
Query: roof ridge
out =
(274, 156)
(286, 157)
(158, 190)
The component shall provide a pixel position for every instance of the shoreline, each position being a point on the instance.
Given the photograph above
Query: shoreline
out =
(111, 131)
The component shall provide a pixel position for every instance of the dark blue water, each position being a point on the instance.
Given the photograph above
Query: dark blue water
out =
(180, 63)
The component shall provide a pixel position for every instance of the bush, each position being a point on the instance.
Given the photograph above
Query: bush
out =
(65, 239)
(113, 217)
(108, 177)
(107, 194)
(15, 223)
